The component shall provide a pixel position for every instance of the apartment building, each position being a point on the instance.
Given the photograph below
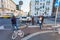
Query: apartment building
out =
(7, 6)
(41, 7)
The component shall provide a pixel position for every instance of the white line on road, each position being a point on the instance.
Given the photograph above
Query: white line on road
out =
(34, 34)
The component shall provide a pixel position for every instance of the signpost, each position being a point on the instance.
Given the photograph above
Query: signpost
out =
(57, 4)
(56, 27)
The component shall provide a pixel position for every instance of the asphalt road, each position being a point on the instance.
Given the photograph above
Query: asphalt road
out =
(46, 36)
(5, 35)
(7, 22)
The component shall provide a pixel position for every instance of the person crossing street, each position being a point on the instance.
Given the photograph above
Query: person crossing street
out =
(41, 18)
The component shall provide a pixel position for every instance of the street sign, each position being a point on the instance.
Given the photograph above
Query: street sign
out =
(56, 3)
(59, 2)
(20, 2)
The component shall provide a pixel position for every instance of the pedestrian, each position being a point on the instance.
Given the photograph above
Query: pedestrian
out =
(14, 25)
(32, 20)
(38, 21)
(41, 21)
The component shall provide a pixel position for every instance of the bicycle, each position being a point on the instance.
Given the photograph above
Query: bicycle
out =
(17, 33)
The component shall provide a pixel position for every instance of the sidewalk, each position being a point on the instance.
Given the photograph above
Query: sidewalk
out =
(35, 28)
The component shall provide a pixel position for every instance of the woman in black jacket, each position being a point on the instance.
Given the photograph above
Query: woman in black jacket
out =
(14, 25)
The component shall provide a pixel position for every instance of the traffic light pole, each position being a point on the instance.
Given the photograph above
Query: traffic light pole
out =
(56, 16)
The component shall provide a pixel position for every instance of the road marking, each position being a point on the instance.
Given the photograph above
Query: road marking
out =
(34, 34)
(5, 29)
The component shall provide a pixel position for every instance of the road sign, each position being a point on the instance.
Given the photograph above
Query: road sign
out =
(59, 3)
(56, 3)
(20, 2)
(58, 0)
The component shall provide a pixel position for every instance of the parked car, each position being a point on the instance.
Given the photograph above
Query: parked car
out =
(29, 18)
(25, 19)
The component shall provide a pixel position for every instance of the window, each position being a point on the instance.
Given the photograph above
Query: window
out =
(37, 13)
(40, 3)
(36, 2)
(43, 0)
(41, 7)
(36, 8)
(48, 3)
(40, 0)
(47, 9)
(43, 3)
(23, 17)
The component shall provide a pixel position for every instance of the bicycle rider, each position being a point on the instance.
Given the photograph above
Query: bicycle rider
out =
(14, 25)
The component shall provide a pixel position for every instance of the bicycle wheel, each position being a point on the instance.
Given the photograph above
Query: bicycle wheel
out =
(14, 35)
(21, 33)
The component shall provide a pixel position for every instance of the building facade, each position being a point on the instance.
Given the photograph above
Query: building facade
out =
(7, 6)
(41, 7)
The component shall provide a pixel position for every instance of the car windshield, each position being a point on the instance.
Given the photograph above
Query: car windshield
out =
(23, 17)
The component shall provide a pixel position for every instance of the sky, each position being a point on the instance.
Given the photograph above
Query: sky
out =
(25, 6)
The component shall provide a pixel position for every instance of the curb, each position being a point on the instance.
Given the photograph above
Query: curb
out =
(43, 25)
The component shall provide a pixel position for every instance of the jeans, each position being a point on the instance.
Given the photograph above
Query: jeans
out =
(14, 27)
(40, 24)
